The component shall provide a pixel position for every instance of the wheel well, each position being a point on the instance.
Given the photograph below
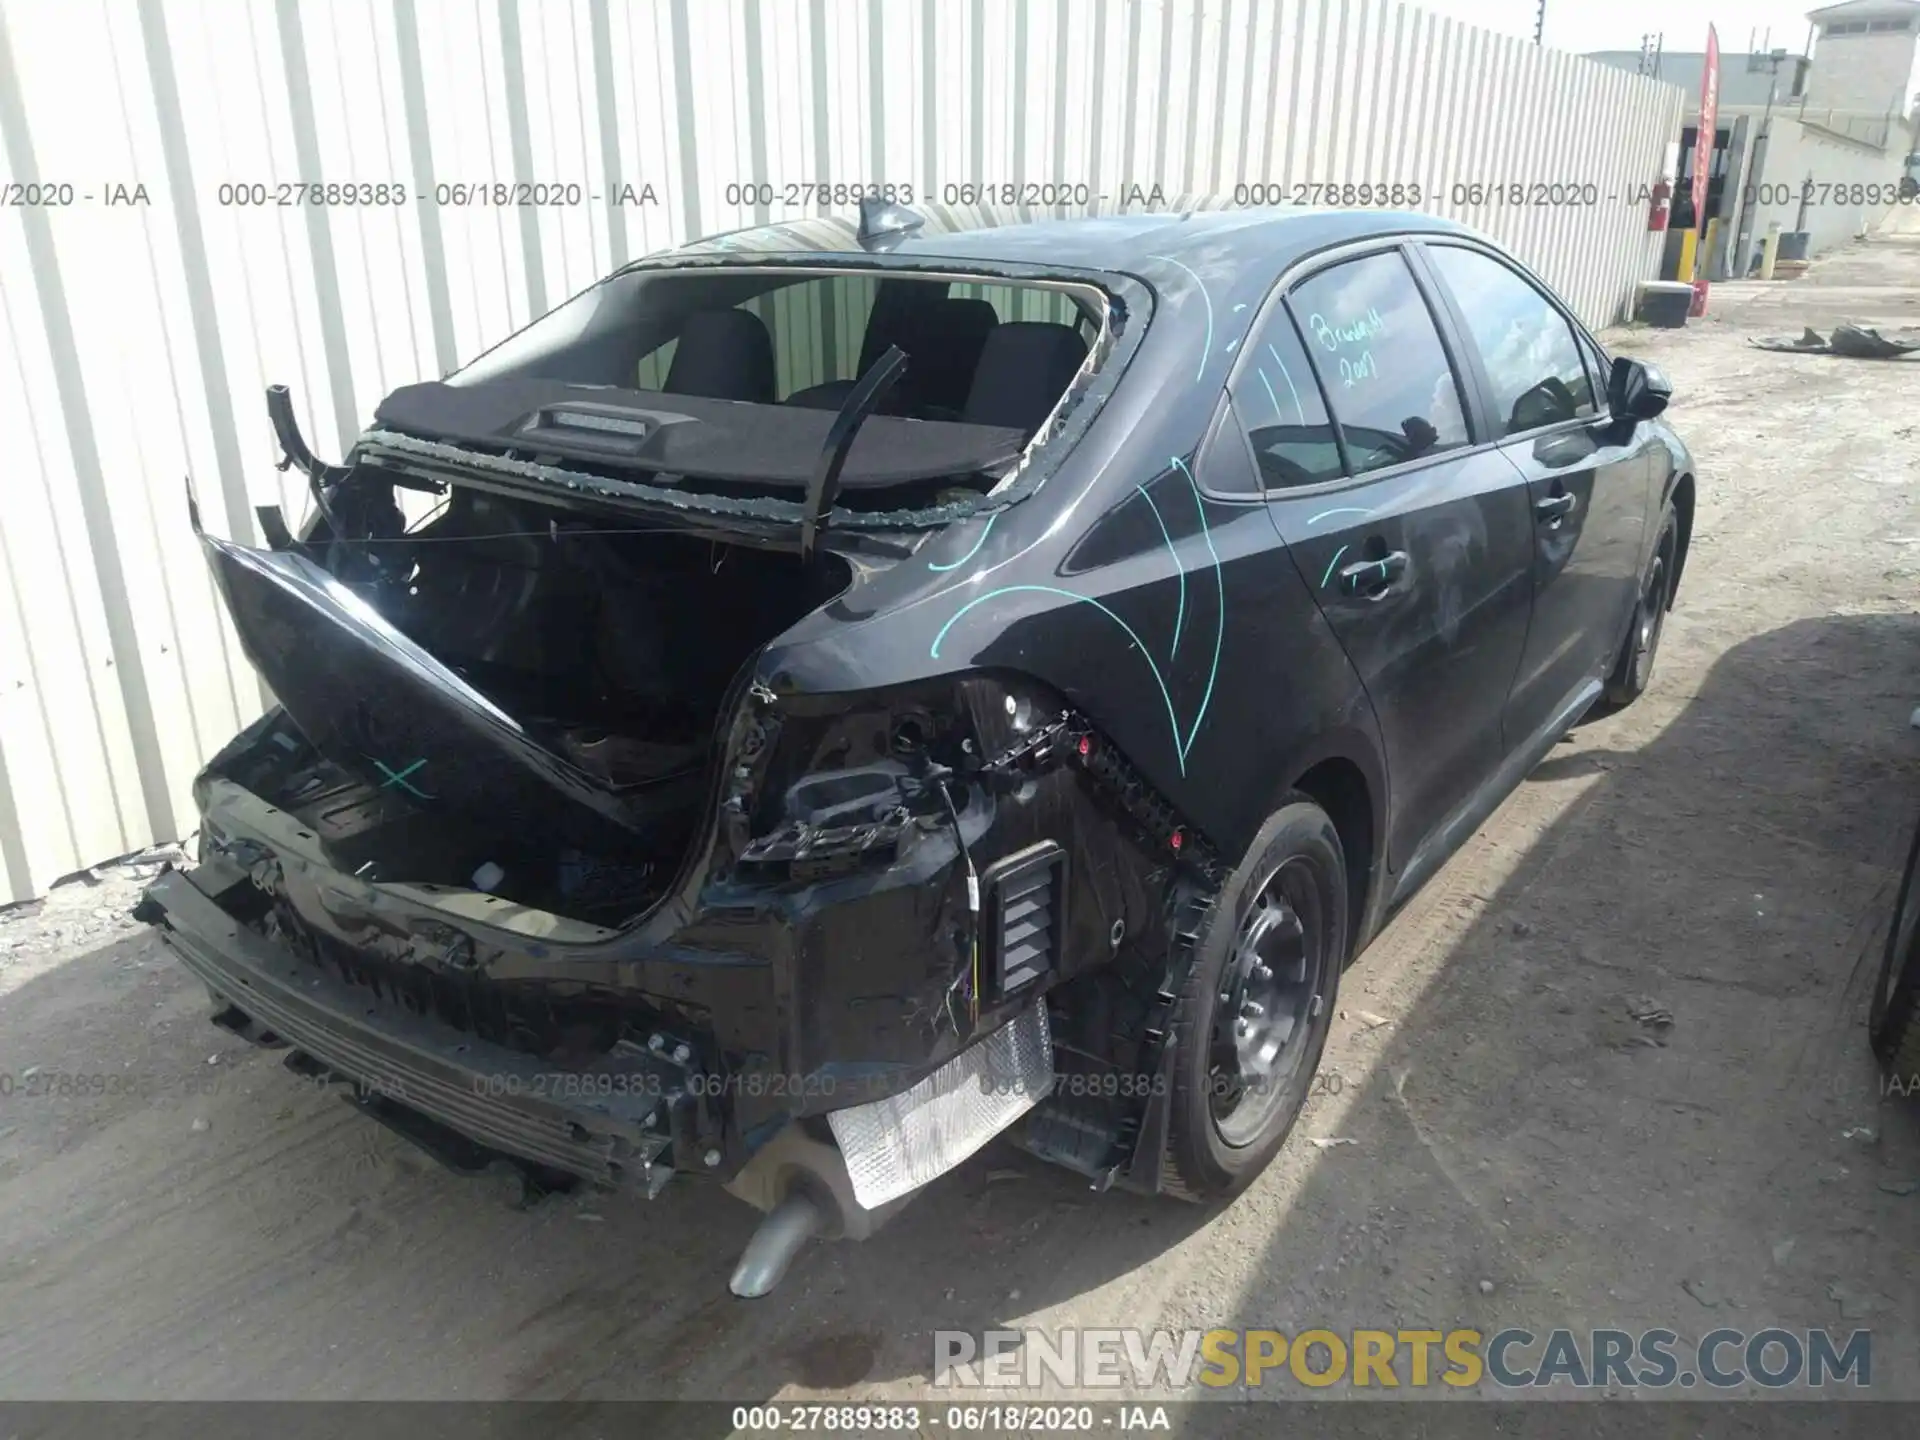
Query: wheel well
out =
(1683, 516)
(1338, 787)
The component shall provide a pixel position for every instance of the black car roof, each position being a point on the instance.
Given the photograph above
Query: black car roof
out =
(1267, 238)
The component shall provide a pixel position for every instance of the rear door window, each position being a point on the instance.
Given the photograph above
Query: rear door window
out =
(1532, 358)
(1279, 403)
(1388, 380)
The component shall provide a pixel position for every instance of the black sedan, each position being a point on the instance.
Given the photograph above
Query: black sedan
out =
(828, 695)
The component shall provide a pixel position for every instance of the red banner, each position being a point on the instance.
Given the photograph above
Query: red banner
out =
(1704, 136)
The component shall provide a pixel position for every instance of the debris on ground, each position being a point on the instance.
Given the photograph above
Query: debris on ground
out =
(1853, 1305)
(1861, 343)
(1649, 1012)
(1699, 1291)
(1850, 342)
(1809, 339)
(1653, 1017)
(82, 911)
(1327, 1143)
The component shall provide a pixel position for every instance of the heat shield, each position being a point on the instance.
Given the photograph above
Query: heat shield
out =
(898, 1144)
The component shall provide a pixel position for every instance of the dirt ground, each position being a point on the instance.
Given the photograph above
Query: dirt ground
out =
(1524, 1151)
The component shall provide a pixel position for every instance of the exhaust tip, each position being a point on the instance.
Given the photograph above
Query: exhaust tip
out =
(776, 1242)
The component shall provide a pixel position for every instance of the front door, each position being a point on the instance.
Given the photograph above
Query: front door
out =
(1587, 482)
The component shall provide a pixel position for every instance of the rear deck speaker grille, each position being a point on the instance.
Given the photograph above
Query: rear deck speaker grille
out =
(1025, 916)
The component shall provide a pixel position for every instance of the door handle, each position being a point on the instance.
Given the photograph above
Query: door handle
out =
(1373, 577)
(1552, 509)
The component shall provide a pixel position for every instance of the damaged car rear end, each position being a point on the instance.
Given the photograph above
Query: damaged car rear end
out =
(644, 798)
(792, 714)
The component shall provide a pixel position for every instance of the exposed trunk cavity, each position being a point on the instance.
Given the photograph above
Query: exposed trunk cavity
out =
(509, 698)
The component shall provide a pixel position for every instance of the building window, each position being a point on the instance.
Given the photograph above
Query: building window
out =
(1880, 27)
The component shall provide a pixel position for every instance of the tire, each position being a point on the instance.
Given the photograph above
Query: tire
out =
(1247, 948)
(1633, 670)
(1893, 1022)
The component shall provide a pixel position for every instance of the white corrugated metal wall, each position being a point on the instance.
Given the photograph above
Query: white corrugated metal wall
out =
(142, 324)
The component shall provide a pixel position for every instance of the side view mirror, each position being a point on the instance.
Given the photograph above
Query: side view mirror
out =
(1636, 390)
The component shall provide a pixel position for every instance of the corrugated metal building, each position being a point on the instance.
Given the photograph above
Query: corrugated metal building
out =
(162, 257)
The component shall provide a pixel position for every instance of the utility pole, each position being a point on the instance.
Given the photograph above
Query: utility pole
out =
(1756, 166)
(1539, 21)
(1651, 48)
(1773, 62)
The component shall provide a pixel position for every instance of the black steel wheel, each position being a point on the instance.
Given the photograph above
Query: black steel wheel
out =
(1253, 1017)
(1274, 987)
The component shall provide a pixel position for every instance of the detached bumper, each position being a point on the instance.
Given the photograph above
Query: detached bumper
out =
(610, 1125)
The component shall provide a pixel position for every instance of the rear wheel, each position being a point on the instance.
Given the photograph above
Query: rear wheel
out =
(1253, 1019)
(1633, 671)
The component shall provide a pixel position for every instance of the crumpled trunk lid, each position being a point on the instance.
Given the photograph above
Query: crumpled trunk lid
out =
(382, 707)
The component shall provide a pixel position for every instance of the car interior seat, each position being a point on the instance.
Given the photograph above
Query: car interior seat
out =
(942, 341)
(1024, 367)
(723, 355)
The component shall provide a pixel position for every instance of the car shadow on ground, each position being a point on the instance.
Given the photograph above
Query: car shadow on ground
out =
(1638, 1093)
(1528, 1141)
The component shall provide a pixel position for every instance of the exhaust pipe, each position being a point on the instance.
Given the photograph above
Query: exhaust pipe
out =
(764, 1262)
(803, 1186)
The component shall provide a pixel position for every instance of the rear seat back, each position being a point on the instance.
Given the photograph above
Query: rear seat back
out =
(945, 351)
(1024, 367)
(723, 355)
(942, 341)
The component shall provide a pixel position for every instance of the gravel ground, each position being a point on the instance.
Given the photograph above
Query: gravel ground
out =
(1524, 1149)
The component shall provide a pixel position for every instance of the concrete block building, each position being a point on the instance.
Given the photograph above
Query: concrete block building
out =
(1816, 143)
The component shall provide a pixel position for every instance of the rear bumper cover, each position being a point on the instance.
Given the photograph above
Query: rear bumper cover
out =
(608, 1125)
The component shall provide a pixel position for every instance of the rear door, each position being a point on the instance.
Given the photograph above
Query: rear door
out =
(1587, 479)
(1414, 541)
